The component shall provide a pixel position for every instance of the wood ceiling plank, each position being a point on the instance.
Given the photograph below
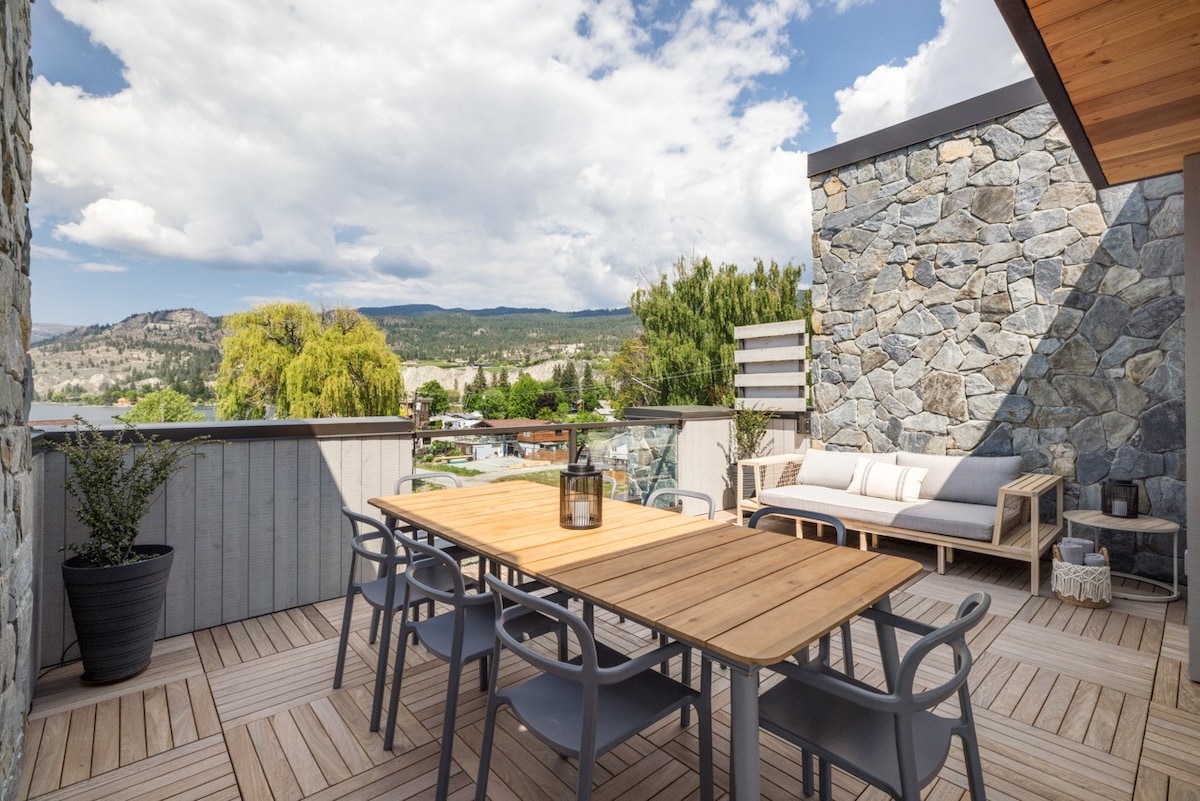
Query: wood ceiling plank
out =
(1179, 116)
(1099, 20)
(1101, 42)
(1180, 86)
(1086, 80)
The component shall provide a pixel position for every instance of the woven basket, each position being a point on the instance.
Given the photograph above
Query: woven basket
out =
(1081, 585)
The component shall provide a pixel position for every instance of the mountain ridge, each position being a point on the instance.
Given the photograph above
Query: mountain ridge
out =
(181, 347)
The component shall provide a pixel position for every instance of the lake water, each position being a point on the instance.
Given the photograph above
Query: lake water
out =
(96, 415)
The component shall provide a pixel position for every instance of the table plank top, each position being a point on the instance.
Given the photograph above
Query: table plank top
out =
(751, 596)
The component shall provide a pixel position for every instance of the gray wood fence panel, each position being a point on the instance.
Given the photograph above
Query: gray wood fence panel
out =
(235, 540)
(335, 531)
(52, 603)
(208, 557)
(153, 531)
(284, 533)
(309, 468)
(261, 529)
(257, 527)
(180, 493)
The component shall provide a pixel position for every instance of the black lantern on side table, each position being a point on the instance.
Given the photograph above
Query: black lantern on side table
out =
(1119, 498)
(580, 490)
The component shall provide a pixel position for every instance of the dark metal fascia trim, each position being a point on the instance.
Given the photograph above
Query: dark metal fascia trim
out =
(988, 106)
(255, 429)
(1029, 39)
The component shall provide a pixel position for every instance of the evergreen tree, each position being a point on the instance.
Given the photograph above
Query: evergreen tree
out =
(500, 380)
(589, 391)
(569, 382)
(473, 396)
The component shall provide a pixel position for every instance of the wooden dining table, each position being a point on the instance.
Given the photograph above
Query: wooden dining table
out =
(746, 598)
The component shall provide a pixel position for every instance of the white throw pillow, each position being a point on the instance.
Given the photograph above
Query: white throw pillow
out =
(888, 481)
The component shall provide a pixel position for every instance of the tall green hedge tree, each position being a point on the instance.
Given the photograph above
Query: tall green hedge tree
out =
(685, 355)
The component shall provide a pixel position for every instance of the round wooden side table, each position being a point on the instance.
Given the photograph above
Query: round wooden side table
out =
(1133, 525)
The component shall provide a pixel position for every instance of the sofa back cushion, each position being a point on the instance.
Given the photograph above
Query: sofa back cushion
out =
(834, 469)
(965, 479)
(888, 481)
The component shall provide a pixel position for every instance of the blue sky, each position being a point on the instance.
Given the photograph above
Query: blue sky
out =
(551, 153)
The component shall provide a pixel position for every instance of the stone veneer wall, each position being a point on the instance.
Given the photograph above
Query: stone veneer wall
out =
(16, 389)
(976, 294)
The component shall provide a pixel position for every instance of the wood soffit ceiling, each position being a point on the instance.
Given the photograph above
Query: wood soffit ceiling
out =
(1123, 77)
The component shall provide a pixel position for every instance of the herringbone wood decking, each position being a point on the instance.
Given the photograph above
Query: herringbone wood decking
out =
(1071, 703)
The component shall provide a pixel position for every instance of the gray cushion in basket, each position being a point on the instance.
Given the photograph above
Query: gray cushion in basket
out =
(964, 479)
(834, 469)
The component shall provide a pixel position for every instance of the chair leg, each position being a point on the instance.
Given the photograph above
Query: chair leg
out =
(974, 768)
(443, 781)
(485, 750)
(344, 639)
(397, 679)
(381, 665)
(374, 626)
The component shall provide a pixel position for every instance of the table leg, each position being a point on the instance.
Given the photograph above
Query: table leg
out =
(743, 732)
(889, 652)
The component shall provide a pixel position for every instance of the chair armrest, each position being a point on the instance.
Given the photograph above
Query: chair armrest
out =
(829, 681)
(647, 661)
(897, 622)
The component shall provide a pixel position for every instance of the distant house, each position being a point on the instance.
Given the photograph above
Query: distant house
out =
(537, 443)
(456, 420)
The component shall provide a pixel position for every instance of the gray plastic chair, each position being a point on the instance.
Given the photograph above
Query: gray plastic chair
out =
(892, 740)
(840, 537)
(684, 493)
(464, 634)
(585, 707)
(824, 647)
(611, 483)
(387, 593)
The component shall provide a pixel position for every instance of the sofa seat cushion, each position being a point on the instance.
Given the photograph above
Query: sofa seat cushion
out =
(972, 521)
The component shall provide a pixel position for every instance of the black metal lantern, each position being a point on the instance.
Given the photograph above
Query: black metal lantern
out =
(1119, 498)
(580, 492)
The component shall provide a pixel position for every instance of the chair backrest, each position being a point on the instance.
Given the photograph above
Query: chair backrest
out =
(435, 574)
(820, 517)
(436, 478)
(953, 634)
(684, 493)
(512, 605)
(449, 479)
(371, 539)
(611, 483)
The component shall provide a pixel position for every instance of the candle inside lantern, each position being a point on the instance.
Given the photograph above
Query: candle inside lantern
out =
(1119, 508)
(581, 514)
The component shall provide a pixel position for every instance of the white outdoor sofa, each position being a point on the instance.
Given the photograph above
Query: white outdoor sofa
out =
(983, 504)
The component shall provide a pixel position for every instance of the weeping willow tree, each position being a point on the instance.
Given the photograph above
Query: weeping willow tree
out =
(288, 359)
(685, 354)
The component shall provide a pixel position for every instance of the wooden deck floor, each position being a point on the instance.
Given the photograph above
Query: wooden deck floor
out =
(1071, 703)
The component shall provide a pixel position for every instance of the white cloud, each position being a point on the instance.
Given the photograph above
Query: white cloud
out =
(972, 53)
(96, 267)
(478, 153)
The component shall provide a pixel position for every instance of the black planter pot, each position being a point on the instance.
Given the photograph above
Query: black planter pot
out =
(116, 611)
